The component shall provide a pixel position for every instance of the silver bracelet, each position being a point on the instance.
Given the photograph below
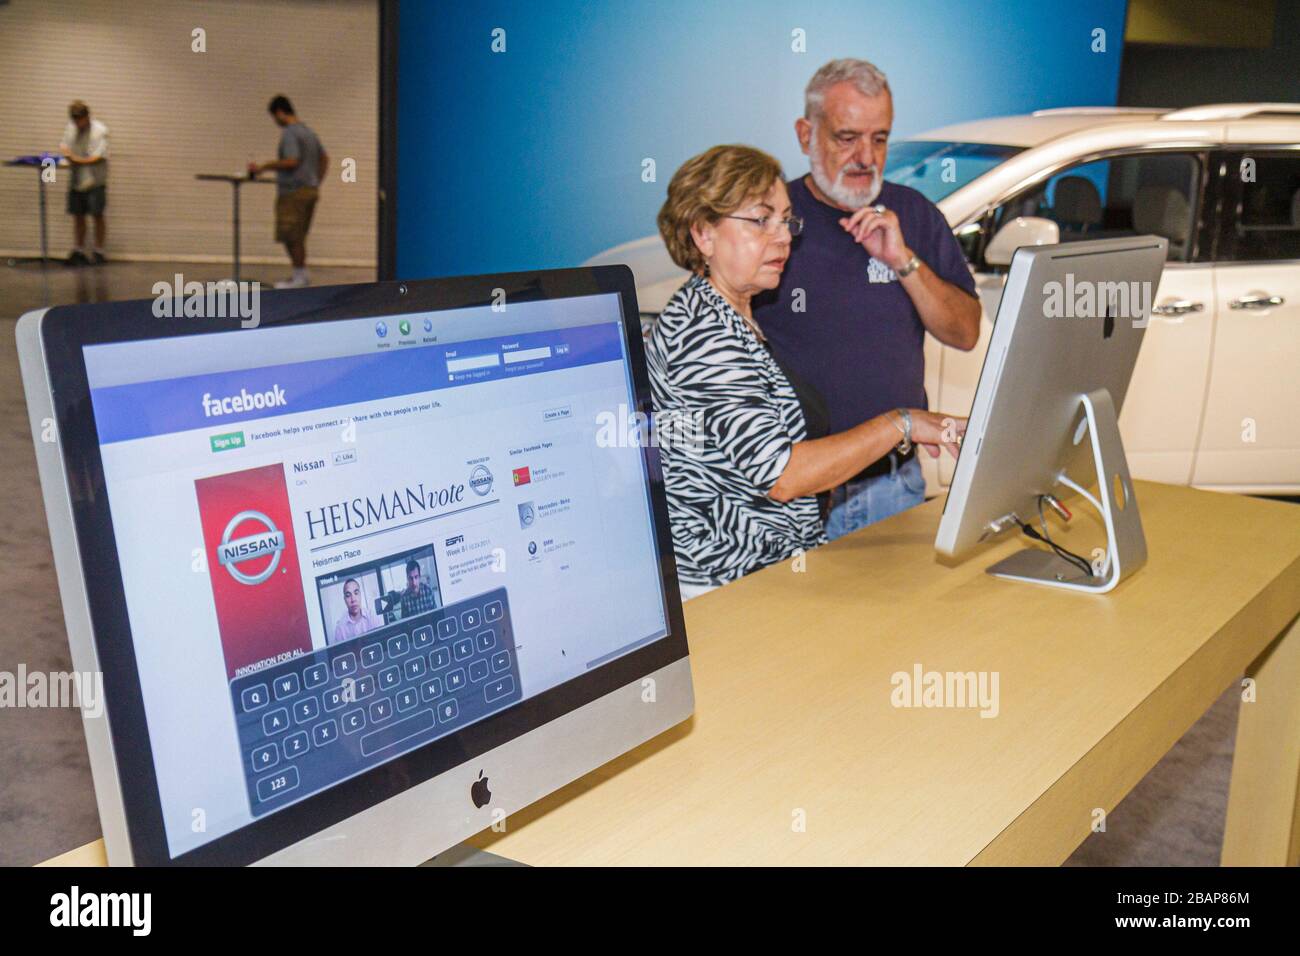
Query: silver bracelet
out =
(905, 445)
(912, 265)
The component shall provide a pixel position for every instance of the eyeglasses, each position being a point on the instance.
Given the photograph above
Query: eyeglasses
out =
(771, 224)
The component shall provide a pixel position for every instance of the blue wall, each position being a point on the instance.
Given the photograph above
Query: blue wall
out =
(532, 158)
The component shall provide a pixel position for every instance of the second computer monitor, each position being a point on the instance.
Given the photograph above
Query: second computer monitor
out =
(1064, 344)
(365, 576)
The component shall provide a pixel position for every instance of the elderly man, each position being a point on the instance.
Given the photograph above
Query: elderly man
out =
(875, 269)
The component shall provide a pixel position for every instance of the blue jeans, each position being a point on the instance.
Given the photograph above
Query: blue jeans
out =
(859, 503)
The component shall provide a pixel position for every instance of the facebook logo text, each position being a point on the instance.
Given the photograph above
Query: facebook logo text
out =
(245, 401)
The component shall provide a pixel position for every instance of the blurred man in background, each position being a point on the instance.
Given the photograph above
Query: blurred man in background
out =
(85, 147)
(299, 168)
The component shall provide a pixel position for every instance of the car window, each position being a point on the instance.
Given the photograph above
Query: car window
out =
(1122, 196)
(1265, 220)
(936, 168)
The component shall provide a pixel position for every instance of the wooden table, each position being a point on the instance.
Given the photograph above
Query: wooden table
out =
(797, 754)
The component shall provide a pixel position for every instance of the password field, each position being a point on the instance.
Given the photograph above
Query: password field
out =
(528, 355)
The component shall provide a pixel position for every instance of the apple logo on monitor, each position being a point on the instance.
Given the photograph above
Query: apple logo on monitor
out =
(479, 792)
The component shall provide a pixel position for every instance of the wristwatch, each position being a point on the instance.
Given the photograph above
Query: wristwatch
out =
(913, 264)
(905, 445)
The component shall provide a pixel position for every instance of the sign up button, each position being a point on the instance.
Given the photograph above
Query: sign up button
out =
(227, 441)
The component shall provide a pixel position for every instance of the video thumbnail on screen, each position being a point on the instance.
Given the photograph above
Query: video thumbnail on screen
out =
(372, 594)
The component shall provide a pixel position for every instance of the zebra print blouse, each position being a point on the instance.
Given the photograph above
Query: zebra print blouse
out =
(726, 418)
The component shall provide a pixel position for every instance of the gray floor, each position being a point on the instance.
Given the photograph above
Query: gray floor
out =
(25, 287)
(1173, 817)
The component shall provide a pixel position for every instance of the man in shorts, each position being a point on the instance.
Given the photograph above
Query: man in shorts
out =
(299, 168)
(85, 147)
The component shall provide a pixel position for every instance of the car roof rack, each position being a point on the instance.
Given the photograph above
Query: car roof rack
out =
(1218, 111)
(1097, 110)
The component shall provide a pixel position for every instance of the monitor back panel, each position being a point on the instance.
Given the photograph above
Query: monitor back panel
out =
(1071, 320)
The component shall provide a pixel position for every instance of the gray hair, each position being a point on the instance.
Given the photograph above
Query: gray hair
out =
(865, 77)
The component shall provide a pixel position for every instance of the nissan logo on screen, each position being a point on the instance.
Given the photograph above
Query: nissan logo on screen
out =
(480, 479)
(233, 551)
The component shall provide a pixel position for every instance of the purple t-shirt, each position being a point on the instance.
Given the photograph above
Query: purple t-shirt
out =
(859, 340)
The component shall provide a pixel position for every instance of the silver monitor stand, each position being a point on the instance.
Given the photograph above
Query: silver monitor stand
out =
(1126, 544)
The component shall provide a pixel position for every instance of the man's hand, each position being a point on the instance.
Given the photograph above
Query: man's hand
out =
(880, 234)
(64, 151)
(946, 311)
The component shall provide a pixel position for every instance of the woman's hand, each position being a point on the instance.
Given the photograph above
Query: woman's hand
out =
(935, 431)
(820, 464)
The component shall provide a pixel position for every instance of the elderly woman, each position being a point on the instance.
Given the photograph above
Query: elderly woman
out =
(743, 495)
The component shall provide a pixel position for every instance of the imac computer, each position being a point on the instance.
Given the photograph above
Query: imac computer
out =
(1045, 415)
(364, 568)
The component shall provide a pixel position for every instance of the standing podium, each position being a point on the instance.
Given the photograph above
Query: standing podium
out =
(235, 182)
(38, 163)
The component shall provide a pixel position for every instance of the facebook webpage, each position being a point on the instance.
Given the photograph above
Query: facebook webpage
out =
(330, 562)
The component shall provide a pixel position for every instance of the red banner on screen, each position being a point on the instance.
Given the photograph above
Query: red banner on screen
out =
(253, 564)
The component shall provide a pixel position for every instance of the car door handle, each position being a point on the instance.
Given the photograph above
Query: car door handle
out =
(1261, 300)
(1177, 307)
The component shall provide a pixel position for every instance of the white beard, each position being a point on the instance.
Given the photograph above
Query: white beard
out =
(842, 194)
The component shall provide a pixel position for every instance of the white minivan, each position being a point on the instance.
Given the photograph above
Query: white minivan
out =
(1215, 397)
